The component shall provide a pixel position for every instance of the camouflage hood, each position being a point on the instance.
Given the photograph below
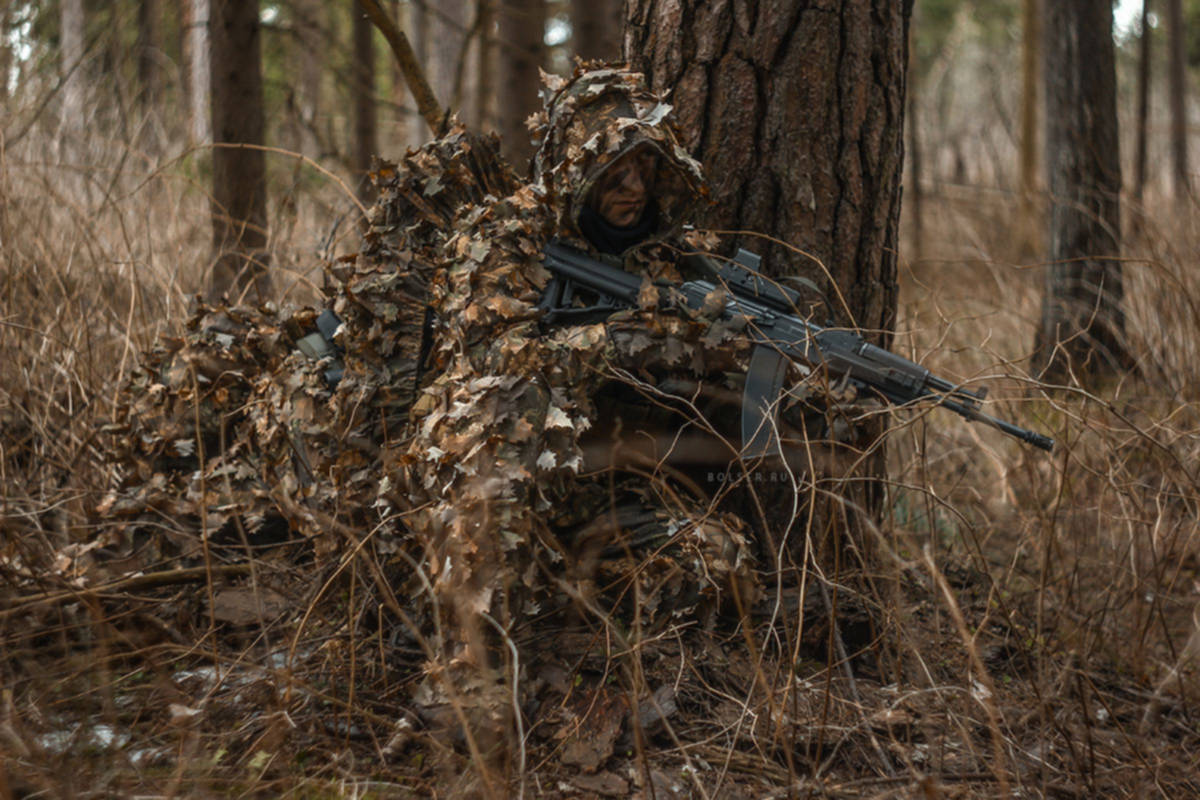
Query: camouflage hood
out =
(592, 119)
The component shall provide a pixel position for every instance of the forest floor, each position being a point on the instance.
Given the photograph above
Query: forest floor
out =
(1028, 632)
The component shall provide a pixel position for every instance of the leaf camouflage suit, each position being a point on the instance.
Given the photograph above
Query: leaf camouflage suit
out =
(514, 478)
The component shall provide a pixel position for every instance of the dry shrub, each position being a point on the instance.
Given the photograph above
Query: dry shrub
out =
(1092, 551)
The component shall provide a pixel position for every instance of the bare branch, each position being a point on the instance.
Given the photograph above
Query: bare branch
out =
(427, 104)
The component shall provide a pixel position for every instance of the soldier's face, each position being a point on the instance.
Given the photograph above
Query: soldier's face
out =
(622, 191)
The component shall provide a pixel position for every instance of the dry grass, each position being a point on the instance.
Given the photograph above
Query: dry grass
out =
(1030, 628)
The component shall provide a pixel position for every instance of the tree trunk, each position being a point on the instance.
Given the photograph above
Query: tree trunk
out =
(72, 21)
(1082, 325)
(1177, 89)
(450, 33)
(1143, 109)
(421, 33)
(522, 53)
(485, 85)
(912, 127)
(797, 114)
(1030, 48)
(365, 145)
(196, 44)
(149, 52)
(596, 29)
(1031, 45)
(239, 206)
(400, 95)
(915, 176)
(310, 60)
(5, 50)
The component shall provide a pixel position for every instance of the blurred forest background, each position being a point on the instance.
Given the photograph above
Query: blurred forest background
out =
(1060, 619)
(313, 85)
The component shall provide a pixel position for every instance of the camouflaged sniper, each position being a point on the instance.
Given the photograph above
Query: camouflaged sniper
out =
(490, 439)
(494, 460)
(493, 475)
(478, 472)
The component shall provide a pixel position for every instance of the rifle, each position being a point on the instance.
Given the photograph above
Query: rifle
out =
(779, 335)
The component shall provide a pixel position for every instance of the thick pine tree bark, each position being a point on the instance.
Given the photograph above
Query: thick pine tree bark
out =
(239, 208)
(596, 29)
(797, 114)
(365, 144)
(1177, 91)
(1082, 325)
(522, 52)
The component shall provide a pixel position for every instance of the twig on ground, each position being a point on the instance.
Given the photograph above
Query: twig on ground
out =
(153, 580)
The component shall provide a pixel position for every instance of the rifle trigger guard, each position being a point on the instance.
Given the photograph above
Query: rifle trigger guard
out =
(760, 401)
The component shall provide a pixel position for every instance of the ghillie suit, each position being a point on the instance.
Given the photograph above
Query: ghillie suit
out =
(507, 474)
(497, 461)
(228, 429)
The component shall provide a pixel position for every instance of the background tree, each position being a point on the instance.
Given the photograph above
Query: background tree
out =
(912, 127)
(1145, 38)
(934, 37)
(363, 92)
(450, 26)
(522, 53)
(1031, 14)
(797, 114)
(1177, 92)
(400, 12)
(1031, 48)
(485, 85)
(239, 206)
(422, 29)
(1082, 324)
(6, 18)
(71, 61)
(149, 52)
(310, 57)
(596, 28)
(967, 74)
(196, 69)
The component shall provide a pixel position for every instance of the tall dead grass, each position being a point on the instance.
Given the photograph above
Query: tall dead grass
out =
(104, 246)
(1092, 551)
